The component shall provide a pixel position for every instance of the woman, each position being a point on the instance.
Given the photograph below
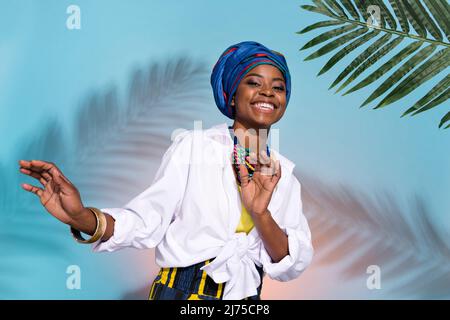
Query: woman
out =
(219, 212)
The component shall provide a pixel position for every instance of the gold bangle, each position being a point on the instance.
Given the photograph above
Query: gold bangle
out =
(100, 228)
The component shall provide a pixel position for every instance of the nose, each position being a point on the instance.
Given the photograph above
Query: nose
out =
(266, 91)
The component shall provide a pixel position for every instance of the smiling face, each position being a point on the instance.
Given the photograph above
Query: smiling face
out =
(260, 98)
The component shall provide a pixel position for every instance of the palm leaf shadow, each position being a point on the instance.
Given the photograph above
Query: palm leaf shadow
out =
(47, 143)
(353, 231)
(417, 28)
(117, 149)
(128, 137)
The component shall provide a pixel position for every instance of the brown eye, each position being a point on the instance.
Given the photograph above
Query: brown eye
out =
(279, 88)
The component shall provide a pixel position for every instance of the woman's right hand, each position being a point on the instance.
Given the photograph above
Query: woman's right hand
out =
(58, 195)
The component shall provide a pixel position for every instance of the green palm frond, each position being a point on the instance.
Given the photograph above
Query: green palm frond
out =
(418, 29)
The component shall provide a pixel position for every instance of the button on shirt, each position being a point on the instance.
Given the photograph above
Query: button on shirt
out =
(192, 209)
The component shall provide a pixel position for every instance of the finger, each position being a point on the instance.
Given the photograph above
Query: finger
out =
(253, 158)
(53, 170)
(31, 173)
(39, 165)
(46, 176)
(277, 174)
(257, 167)
(46, 170)
(269, 168)
(43, 166)
(264, 158)
(36, 176)
(43, 182)
(243, 175)
(24, 163)
(278, 166)
(50, 186)
(274, 165)
(275, 168)
(37, 191)
(26, 171)
(267, 171)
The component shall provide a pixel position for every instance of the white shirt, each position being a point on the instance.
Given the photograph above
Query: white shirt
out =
(192, 208)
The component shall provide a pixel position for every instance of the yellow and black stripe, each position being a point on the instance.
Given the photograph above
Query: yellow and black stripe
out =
(188, 283)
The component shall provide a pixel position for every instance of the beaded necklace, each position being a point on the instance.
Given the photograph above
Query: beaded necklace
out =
(241, 155)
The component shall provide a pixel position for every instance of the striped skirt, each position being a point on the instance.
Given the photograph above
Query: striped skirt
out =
(190, 283)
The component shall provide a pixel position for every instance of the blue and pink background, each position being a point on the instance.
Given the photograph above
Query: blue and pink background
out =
(376, 186)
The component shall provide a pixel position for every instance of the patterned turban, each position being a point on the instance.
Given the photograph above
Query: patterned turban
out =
(234, 63)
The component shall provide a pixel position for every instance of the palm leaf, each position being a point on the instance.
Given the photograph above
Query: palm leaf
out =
(361, 58)
(444, 120)
(319, 24)
(336, 43)
(373, 59)
(405, 52)
(400, 14)
(168, 93)
(120, 142)
(415, 18)
(386, 14)
(352, 230)
(429, 20)
(400, 73)
(426, 20)
(437, 101)
(348, 5)
(317, 9)
(49, 143)
(337, 9)
(347, 49)
(420, 75)
(418, 107)
(440, 13)
(327, 36)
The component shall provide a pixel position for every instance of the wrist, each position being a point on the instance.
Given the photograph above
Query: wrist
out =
(79, 215)
(97, 233)
(82, 220)
(261, 215)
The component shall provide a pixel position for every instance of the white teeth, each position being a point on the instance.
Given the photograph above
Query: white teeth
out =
(264, 105)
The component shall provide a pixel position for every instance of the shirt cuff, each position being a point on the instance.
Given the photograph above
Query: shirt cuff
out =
(124, 223)
(293, 264)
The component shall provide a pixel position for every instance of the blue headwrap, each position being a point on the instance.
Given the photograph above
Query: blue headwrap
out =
(234, 63)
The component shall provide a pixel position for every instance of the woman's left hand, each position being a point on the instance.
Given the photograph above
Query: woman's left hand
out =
(257, 191)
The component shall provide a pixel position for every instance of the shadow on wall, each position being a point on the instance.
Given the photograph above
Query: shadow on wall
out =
(114, 143)
(352, 231)
(108, 155)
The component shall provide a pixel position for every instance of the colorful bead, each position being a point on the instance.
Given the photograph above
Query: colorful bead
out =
(240, 155)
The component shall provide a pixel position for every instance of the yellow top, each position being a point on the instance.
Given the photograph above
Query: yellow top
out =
(246, 222)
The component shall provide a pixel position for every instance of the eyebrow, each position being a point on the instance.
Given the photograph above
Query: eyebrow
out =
(258, 75)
